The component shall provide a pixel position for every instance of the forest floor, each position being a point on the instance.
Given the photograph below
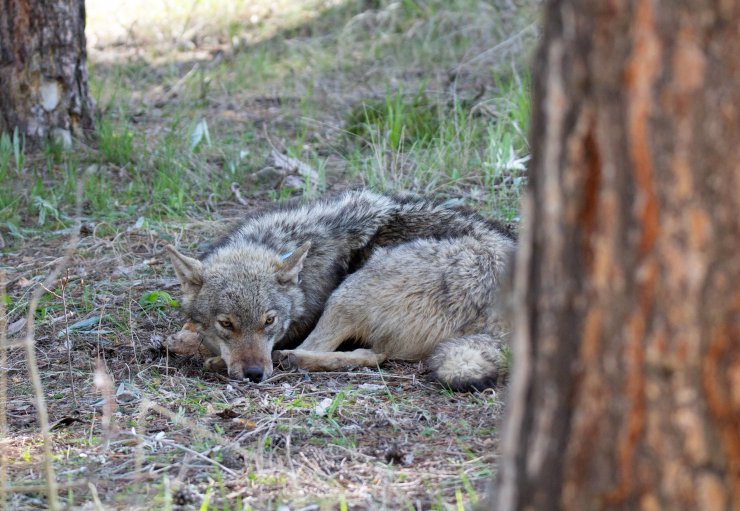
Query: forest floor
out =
(208, 109)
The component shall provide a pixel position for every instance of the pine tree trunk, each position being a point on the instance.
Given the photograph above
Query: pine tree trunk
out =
(43, 69)
(626, 384)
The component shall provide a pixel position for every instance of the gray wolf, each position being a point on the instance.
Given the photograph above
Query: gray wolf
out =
(407, 277)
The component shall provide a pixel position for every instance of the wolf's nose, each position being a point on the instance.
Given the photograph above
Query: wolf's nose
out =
(253, 373)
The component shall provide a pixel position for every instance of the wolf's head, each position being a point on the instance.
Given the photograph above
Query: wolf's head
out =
(243, 301)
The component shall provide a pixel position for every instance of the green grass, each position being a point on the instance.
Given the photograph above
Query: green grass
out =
(413, 144)
(116, 142)
(412, 129)
(400, 120)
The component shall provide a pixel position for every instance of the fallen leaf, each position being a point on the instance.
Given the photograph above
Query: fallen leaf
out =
(245, 423)
(65, 421)
(371, 386)
(200, 133)
(127, 393)
(16, 326)
(23, 282)
(293, 165)
(227, 413)
(292, 183)
(81, 325)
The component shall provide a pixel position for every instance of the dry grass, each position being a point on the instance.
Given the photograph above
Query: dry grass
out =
(136, 428)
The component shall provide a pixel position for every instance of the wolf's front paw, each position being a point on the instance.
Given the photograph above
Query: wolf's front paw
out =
(215, 364)
(187, 342)
(284, 359)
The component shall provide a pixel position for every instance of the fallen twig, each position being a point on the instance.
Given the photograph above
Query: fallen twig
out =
(165, 441)
(68, 341)
(30, 344)
(3, 391)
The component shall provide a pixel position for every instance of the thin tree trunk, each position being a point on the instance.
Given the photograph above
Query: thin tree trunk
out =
(43, 69)
(626, 384)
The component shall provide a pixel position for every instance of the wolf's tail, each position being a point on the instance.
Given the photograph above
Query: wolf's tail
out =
(473, 362)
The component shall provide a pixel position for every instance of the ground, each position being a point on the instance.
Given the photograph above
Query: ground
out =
(209, 110)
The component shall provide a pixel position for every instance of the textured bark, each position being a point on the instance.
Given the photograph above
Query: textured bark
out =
(43, 69)
(626, 385)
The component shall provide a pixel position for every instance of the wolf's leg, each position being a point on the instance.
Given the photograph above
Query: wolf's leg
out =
(317, 353)
(325, 337)
(331, 361)
(344, 318)
(341, 320)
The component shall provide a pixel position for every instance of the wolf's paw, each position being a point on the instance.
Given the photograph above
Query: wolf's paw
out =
(215, 364)
(284, 359)
(187, 342)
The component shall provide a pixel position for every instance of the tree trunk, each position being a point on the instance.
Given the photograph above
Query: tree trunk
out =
(43, 69)
(626, 384)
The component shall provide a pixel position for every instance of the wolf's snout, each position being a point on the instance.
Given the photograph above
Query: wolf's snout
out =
(253, 373)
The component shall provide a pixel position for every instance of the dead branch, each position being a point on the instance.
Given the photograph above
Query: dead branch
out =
(3, 391)
(30, 344)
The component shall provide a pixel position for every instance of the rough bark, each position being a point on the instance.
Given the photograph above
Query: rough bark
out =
(626, 384)
(43, 69)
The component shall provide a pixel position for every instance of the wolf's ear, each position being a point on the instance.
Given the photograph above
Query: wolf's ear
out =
(189, 271)
(290, 268)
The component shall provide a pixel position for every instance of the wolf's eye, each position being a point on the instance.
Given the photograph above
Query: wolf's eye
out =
(269, 320)
(228, 325)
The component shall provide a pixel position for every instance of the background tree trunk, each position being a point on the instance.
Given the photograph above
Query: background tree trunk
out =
(43, 69)
(626, 385)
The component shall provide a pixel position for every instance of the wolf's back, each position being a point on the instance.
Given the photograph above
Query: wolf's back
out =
(358, 222)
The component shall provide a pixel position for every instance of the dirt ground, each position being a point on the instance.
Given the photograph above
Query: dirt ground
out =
(138, 429)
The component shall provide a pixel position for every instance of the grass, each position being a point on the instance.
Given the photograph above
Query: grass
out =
(194, 96)
(436, 109)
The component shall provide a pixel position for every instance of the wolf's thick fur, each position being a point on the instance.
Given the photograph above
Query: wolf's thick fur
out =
(422, 285)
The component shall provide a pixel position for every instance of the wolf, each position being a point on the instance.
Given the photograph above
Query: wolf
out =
(404, 276)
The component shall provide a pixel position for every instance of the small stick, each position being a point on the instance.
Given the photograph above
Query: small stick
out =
(105, 385)
(69, 340)
(194, 453)
(96, 499)
(280, 376)
(38, 488)
(33, 368)
(3, 391)
(139, 452)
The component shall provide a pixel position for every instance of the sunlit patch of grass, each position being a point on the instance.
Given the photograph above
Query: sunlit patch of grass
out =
(116, 142)
(400, 119)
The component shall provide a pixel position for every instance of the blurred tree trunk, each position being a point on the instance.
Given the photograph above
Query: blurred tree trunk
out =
(626, 385)
(43, 69)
